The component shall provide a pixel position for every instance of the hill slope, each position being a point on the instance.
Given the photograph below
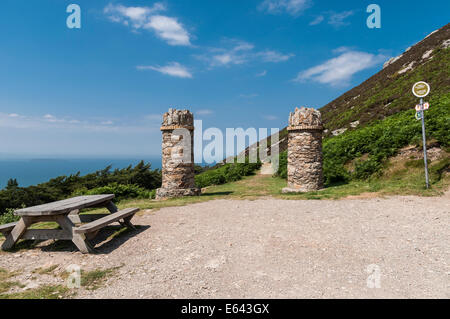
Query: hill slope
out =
(389, 91)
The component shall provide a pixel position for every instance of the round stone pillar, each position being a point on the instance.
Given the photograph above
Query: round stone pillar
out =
(304, 151)
(177, 155)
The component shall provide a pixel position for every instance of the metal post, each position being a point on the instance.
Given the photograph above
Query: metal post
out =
(424, 143)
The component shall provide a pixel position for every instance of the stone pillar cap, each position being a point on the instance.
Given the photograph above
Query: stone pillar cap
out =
(177, 119)
(305, 119)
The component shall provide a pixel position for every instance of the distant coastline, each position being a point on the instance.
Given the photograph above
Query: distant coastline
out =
(35, 171)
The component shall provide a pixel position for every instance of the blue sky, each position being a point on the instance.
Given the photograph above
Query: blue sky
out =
(100, 91)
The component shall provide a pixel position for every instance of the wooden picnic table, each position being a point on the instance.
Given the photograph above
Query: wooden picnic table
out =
(67, 214)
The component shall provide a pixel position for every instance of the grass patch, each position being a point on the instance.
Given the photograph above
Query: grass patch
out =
(43, 292)
(45, 271)
(92, 280)
(5, 283)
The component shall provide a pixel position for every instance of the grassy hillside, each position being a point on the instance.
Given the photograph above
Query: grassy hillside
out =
(389, 91)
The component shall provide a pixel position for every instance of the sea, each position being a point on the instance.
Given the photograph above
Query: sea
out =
(35, 171)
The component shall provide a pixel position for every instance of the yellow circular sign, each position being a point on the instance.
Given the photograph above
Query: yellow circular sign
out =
(421, 89)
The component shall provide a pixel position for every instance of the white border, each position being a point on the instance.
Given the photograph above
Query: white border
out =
(428, 86)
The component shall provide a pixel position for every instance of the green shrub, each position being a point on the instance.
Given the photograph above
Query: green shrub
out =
(8, 217)
(121, 191)
(365, 169)
(282, 168)
(334, 173)
(226, 173)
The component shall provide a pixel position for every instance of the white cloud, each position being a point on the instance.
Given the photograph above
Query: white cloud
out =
(237, 54)
(225, 59)
(338, 19)
(338, 71)
(135, 17)
(317, 20)
(204, 112)
(174, 69)
(52, 119)
(263, 73)
(166, 28)
(169, 29)
(292, 7)
(241, 52)
(273, 56)
(13, 115)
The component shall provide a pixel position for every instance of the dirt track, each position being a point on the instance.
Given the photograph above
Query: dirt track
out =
(273, 249)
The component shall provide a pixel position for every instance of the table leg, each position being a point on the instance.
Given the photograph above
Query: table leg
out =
(126, 221)
(16, 233)
(112, 207)
(79, 240)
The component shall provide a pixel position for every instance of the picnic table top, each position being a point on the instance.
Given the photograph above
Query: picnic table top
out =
(64, 206)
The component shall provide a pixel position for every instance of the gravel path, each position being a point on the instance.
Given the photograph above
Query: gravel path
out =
(274, 249)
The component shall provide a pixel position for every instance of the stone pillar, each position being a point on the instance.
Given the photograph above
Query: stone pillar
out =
(177, 155)
(304, 151)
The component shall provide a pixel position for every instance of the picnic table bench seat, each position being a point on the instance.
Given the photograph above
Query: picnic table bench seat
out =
(7, 228)
(98, 224)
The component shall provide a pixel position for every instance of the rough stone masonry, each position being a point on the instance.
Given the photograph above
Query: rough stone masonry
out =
(304, 151)
(177, 155)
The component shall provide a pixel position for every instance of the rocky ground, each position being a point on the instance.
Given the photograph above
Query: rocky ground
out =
(267, 248)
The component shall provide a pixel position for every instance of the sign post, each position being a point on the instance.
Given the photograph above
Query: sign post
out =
(422, 89)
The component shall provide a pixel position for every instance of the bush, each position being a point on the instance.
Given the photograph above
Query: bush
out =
(8, 217)
(121, 191)
(365, 169)
(225, 174)
(282, 168)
